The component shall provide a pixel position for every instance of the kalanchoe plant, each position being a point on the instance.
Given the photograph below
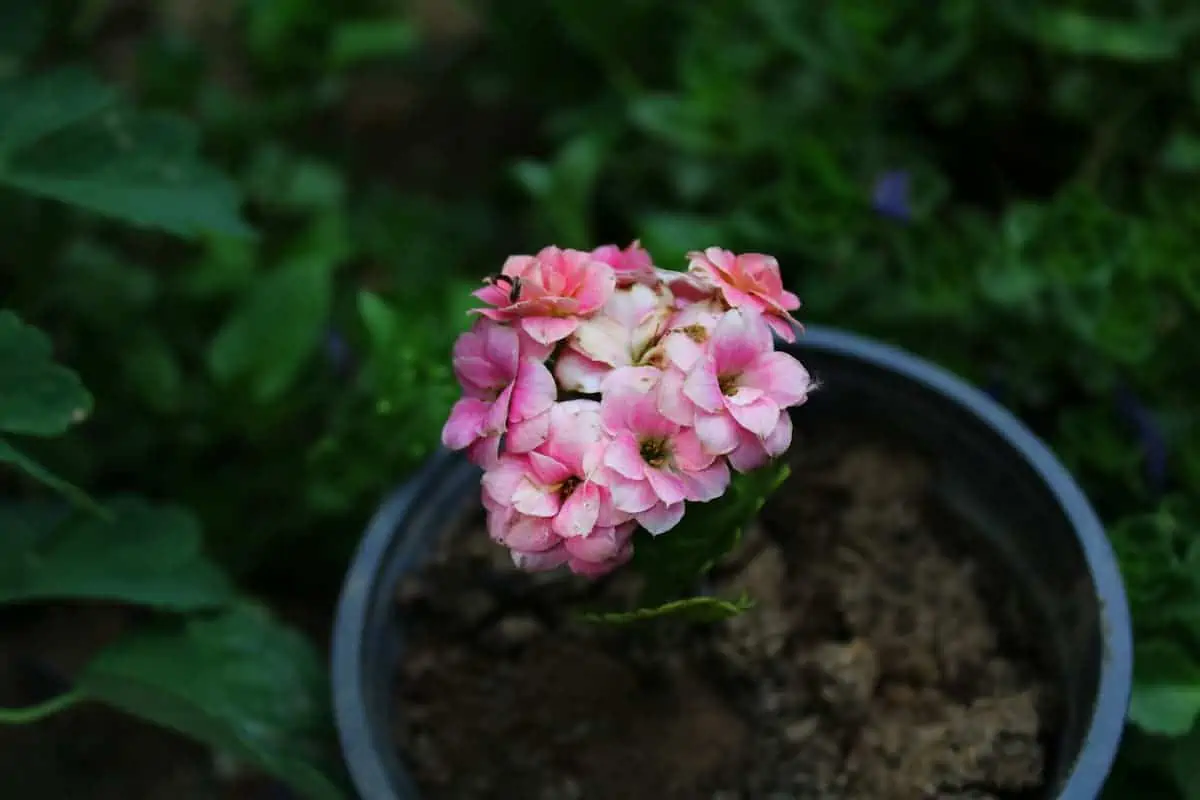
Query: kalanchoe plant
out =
(602, 396)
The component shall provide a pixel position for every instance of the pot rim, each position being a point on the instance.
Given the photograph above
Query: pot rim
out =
(1105, 727)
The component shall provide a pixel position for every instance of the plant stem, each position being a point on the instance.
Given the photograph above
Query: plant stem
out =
(24, 716)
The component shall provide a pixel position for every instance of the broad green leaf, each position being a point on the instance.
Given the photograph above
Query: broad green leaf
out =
(240, 682)
(37, 396)
(270, 336)
(143, 554)
(33, 108)
(673, 561)
(66, 137)
(13, 456)
(1087, 35)
(1166, 692)
(380, 320)
(696, 609)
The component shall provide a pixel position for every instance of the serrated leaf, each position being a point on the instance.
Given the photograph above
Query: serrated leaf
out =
(64, 136)
(143, 554)
(37, 396)
(1166, 692)
(239, 682)
(270, 336)
(695, 609)
(673, 561)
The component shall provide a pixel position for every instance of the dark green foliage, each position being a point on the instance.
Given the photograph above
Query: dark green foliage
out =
(1005, 187)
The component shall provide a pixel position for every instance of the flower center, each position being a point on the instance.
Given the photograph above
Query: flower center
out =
(654, 451)
(728, 384)
(696, 333)
(568, 486)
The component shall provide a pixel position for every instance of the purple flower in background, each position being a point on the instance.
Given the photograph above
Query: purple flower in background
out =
(1149, 435)
(889, 196)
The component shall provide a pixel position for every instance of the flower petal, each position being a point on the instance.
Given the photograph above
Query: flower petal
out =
(672, 402)
(739, 338)
(780, 438)
(534, 391)
(547, 470)
(749, 454)
(633, 497)
(530, 534)
(578, 373)
(758, 417)
(645, 420)
(501, 481)
(708, 484)
(718, 433)
(703, 388)
(599, 545)
(540, 562)
(466, 423)
(781, 376)
(502, 347)
(604, 339)
(689, 453)
(485, 452)
(599, 283)
(660, 518)
(578, 514)
(535, 500)
(668, 486)
(547, 330)
(528, 435)
(624, 457)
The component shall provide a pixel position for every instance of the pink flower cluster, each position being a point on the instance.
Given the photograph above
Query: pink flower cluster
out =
(601, 393)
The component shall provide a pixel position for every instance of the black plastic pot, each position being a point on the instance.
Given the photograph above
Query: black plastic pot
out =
(1035, 526)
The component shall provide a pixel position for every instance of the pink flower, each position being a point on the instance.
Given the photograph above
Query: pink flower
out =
(654, 464)
(550, 494)
(631, 265)
(596, 554)
(688, 333)
(622, 335)
(749, 281)
(506, 390)
(548, 294)
(741, 388)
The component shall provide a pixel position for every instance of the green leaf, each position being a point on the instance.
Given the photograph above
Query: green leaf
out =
(672, 562)
(144, 554)
(11, 455)
(1166, 694)
(65, 136)
(240, 682)
(270, 336)
(695, 609)
(37, 396)
(1083, 34)
(380, 320)
(363, 40)
(1181, 153)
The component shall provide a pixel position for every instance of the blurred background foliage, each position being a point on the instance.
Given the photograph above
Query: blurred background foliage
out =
(1005, 187)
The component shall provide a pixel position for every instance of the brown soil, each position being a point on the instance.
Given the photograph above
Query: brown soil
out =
(873, 666)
